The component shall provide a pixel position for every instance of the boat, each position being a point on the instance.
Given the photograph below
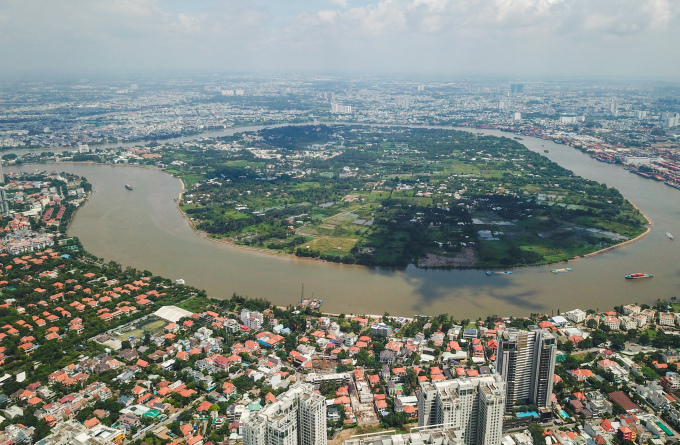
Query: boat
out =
(128, 186)
(546, 151)
(519, 138)
(564, 270)
(670, 236)
(634, 276)
(498, 272)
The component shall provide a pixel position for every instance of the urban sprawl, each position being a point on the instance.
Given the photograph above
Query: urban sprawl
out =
(97, 353)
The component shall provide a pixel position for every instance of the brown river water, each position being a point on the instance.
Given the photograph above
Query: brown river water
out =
(143, 228)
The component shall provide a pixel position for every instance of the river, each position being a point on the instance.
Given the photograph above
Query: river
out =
(144, 229)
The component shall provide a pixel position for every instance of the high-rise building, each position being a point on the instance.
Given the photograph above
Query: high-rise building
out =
(517, 88)
(526, 362)
(475, 406)
(298, 417)
(342, 109)
(4, 206)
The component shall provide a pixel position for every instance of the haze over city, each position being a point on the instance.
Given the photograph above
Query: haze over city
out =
(339, 222)
(524, 38)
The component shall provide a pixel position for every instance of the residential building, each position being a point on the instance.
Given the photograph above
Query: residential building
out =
(252, 319)
(475, 406)
(298, 417)
(576, 315)
(526, 362)
(666, 319)
(611, 322)
(381, 329)
(631, 309)
(627, 322)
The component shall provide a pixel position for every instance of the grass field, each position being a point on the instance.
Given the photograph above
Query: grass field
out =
(244, 163)
(153, 326)
(190, 180)
(331, 245)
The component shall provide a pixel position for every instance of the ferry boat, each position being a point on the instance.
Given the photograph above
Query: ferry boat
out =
(498, 272)
(670, 236)
(564, 270)
(634, 276)
(128, 186)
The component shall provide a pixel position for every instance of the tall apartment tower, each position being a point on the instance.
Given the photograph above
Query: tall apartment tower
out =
(298, 417)
(4, 207)
(475, 406)
(526, 362)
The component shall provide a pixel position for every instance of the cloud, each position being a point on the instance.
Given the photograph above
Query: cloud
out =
(444, 37)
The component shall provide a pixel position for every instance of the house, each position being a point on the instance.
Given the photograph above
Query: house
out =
(627, 323)
(387, 357)
(381, 329)
(666, 319)
(611, 322)
(581, 374)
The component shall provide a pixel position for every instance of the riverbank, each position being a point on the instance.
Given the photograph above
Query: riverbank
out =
(144, 230)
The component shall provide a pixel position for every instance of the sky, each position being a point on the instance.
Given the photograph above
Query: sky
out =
(442, 38)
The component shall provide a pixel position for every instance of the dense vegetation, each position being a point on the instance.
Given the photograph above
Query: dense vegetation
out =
(397, 196)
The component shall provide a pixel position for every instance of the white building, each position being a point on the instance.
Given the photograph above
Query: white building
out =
(252, 319)
(627, 322)
(641, 320)
(576, 316)
(611, 322)
(473, 405)
(571, 119)
(381, 329)
(666, 319)
(649, 314)
(340, 109)
(298, 417)
(631, 309)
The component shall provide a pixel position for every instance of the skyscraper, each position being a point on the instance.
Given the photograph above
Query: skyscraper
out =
(4, 207)
(526, 362)
(517, 88)
(298, 417)
(475, 406)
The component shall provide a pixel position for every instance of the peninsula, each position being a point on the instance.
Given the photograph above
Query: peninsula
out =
(395, 196)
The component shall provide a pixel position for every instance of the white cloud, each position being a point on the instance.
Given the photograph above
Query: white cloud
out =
(494, 37)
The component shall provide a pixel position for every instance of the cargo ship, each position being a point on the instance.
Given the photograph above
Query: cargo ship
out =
(634, 276)
(498, 272)
(128, 186)
(565, 270)
(670, 236)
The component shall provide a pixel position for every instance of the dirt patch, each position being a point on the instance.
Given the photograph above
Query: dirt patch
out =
(465, 259)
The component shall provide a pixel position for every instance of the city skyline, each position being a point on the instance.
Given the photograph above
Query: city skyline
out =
(528, 39)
